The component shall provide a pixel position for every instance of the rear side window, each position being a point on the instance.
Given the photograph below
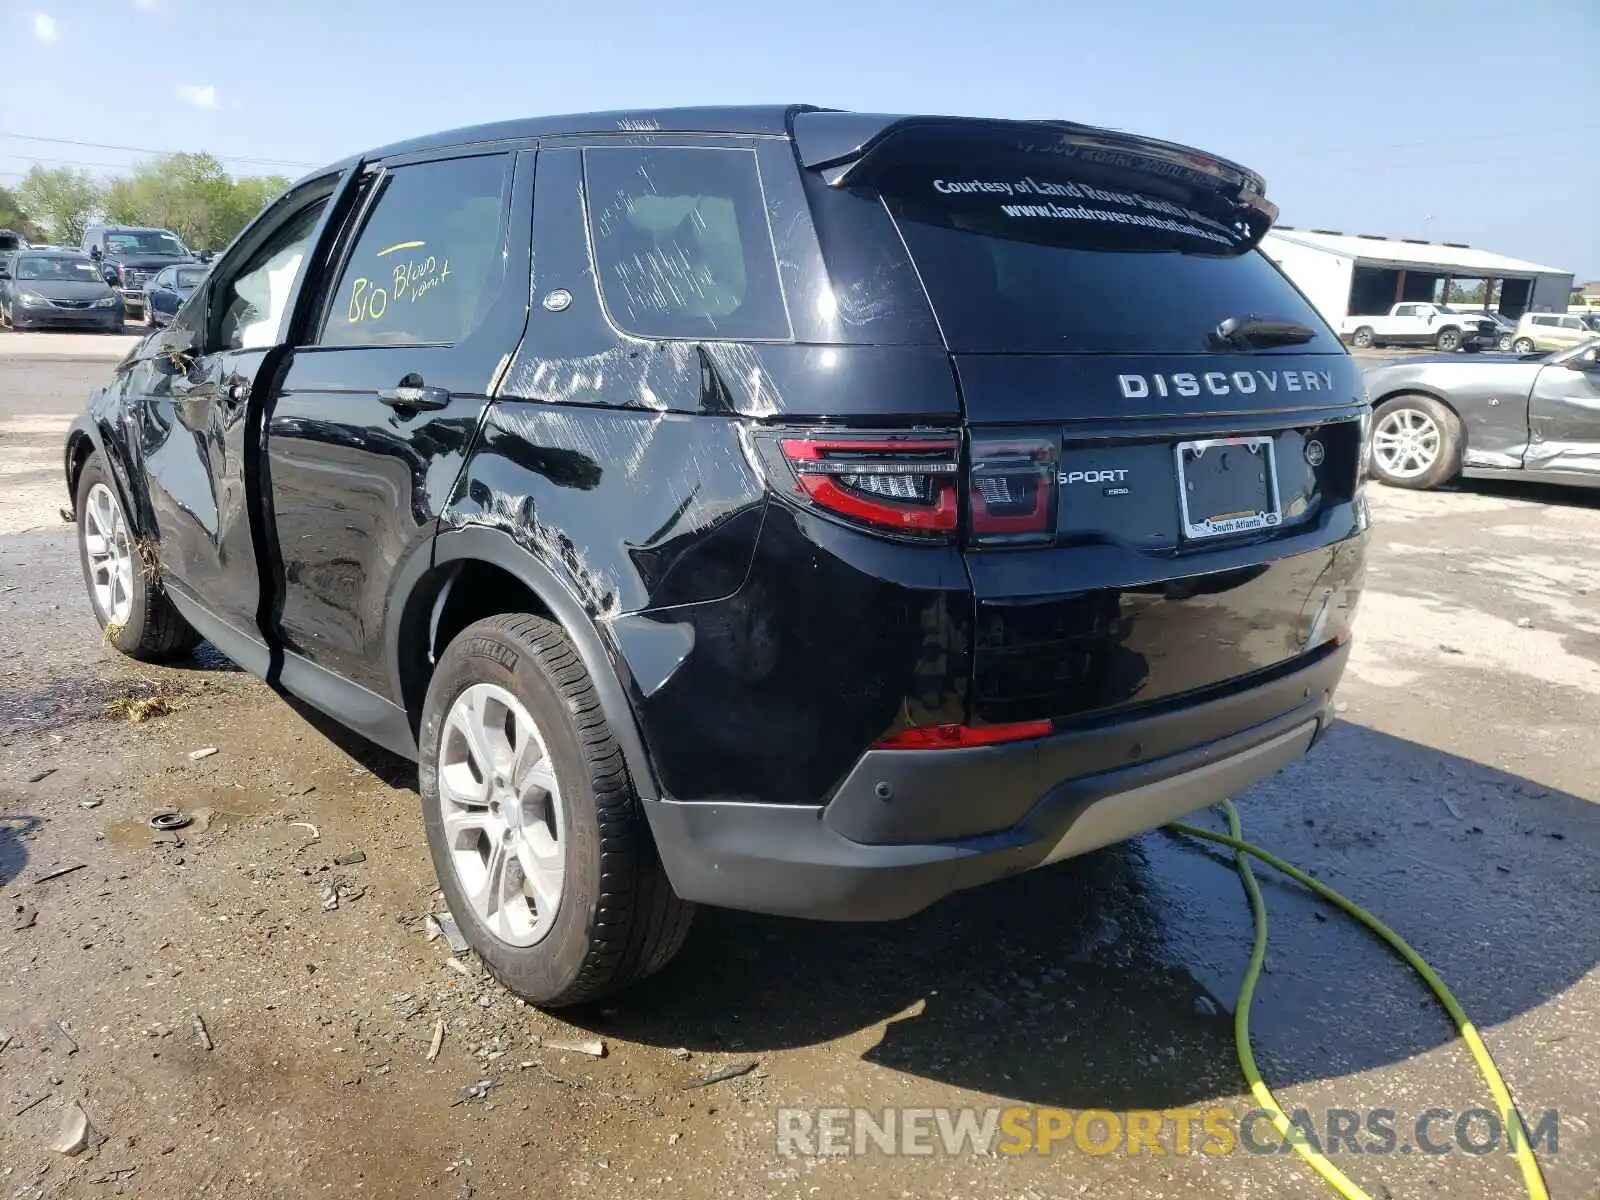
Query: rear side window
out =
(428, 262)
(681, 243)
(1026, 259)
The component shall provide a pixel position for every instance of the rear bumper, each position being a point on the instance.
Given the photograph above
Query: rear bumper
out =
(954, 819)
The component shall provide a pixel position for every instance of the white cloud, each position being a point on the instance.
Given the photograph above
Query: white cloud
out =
(45, 27)
(200, 97)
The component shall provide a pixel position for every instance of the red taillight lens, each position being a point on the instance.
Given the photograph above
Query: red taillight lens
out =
(1013, 488)
(951, 737)
(903, 483)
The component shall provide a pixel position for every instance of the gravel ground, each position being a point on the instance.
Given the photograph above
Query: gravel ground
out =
(1457, 799)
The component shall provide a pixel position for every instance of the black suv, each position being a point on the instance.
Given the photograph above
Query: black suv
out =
(779, 508)
(132, 255)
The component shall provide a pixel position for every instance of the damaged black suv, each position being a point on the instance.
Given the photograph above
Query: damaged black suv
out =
(780, 508)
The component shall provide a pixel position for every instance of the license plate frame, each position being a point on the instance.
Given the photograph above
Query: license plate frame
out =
(1203, 525)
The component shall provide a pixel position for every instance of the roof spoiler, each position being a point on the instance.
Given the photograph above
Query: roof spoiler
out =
(847, 146)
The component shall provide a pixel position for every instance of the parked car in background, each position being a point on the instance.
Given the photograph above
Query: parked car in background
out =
(1553, 331)
(1505, 327)
(11, 240)
(41, 289)
(581, 551)
(1417, 324)
(131, 255)
(166, 291)
(1536, 417)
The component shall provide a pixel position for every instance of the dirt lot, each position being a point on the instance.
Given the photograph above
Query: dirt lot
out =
(1457, 799)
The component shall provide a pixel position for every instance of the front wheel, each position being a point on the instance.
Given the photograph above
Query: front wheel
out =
(1523, 346)
(535, 831)
(1448, 340)
(124, 587)
(1504, 343)
(1416, 442)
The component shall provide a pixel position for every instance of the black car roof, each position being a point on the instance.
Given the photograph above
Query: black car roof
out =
(822, 135)
(63, 252)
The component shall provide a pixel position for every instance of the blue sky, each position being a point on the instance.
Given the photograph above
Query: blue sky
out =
(1462, 121)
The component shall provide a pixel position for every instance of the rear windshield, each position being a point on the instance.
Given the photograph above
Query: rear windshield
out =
(1037, 262)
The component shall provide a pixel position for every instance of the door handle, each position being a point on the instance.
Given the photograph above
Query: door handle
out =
(414, 395)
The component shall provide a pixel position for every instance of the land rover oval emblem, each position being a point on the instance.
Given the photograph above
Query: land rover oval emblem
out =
(558, 300)
(1314, 452)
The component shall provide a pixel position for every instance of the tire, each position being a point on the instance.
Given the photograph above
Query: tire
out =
(134, 612)
(1523, 346)
(1504, 343)
(1362, 338)
(1435, 460)
(1448, 340)
(615, 918)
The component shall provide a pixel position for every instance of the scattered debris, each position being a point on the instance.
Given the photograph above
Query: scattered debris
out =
(34, 1103)
(723, 1073)
(330, 896)
(410, 1007)
(92, 802)
(431, 928)
(77, 1135)
(27, 918)
(1205, 1006)
(681, 1053)
(5, 1038)
(201, 1032)
(59, 872)
(459, 967)
(72, 1046)
(349, 860)
(158, 701)
(1524, 622)
(115, 1175)
(203, 752)
(593, 1047)
(438, 1039)
(41, 776)
(475, 1091)
(1449, 649)
(171, 818)
(1451, 808)
(452, 933)
(315, 836)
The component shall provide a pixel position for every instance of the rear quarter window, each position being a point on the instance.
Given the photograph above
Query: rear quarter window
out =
(681, 243)
(1026, 259)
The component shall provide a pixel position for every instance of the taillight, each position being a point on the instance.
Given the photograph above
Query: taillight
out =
(1012, 489)
(954, 737)
(902, 483)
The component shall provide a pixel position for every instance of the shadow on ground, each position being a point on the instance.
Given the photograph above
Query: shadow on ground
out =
(1109, 981)
(13, 849)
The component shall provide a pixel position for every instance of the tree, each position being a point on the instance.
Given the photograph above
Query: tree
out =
(62, 198)
(191, 195)
(14, 216)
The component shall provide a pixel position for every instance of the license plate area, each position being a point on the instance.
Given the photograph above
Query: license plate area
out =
(1227, 485)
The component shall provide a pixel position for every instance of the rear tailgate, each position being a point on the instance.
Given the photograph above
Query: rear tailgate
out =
(1163, 436)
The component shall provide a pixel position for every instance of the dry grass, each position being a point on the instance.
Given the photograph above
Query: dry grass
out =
(149, 560)
(112, 632)
(150, 700)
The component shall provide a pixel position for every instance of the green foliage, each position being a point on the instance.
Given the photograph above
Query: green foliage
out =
(1477, 293)
(191, 195)
(62, 198)
(14, 216)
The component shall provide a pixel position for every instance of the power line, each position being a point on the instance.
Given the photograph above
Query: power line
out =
(71, 162)
(30, 137)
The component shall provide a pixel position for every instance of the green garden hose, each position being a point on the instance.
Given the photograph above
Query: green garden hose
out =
(1532, 1177)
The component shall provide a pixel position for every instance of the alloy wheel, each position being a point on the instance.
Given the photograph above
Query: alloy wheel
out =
(1406, 443)
(109, 548)
(501, 811)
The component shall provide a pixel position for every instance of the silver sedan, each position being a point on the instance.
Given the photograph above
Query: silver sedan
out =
(1528, 416)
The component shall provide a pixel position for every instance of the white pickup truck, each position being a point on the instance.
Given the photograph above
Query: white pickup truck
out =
(1416, 324)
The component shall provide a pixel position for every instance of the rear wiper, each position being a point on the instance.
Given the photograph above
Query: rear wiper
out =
(1257, 333)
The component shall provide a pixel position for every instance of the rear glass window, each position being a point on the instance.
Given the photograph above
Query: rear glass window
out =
(682, 244)
(1033, 261)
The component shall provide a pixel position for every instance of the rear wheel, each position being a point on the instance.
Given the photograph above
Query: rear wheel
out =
(1523, 346)
(1504, 343)
(124, 588)
(536, 833)
(1416, 442)
(1448, 339)
(1362, 338)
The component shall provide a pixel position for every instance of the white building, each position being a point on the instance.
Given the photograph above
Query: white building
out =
(1359, 275)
